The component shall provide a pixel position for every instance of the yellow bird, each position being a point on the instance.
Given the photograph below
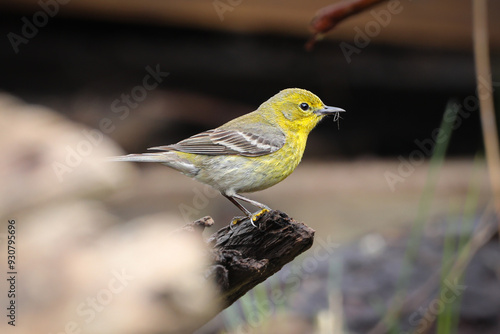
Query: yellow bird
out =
(249, 153)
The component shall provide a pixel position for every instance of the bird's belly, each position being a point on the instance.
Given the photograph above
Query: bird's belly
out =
(234, 174)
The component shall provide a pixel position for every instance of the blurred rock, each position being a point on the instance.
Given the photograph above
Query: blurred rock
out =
(79, 268)
(79, 271)
(47, 158)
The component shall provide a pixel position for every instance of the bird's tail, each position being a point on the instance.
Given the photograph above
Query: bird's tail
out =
(167, 158)
(146, 157)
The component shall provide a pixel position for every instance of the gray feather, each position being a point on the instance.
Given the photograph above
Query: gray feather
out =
(228, 142)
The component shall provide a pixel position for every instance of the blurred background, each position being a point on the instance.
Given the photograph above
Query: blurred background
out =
(82, 80)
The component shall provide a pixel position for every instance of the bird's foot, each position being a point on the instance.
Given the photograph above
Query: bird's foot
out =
(253, 218)
(237, 220)
(257, 215)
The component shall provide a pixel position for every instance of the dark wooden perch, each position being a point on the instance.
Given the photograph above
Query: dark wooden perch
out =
(244, 256)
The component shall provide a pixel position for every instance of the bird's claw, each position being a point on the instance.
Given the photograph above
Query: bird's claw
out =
(236, 221)
(257, 215)
(253, 218)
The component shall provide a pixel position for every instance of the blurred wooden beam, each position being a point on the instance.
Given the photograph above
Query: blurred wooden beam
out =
(444, 24)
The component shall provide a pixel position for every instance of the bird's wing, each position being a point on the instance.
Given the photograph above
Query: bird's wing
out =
(228, 142)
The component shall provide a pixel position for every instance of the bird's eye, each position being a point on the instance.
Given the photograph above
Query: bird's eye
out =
(304, 106)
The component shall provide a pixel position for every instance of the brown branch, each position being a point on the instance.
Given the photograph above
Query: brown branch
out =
(243, 256)
(328, 17)
(485, 95)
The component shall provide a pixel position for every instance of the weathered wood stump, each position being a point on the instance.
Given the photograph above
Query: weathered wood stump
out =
(244, 256)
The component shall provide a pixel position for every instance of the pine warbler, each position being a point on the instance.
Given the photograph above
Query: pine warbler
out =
(250, 153)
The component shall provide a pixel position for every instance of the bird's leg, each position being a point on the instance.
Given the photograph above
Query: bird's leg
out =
(237, 220)
(251, 201)
(235, 202)
(253, 217)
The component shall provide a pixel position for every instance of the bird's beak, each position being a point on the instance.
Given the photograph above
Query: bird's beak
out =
(326, 110)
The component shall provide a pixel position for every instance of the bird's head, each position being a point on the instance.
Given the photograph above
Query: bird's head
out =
(299, 109)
